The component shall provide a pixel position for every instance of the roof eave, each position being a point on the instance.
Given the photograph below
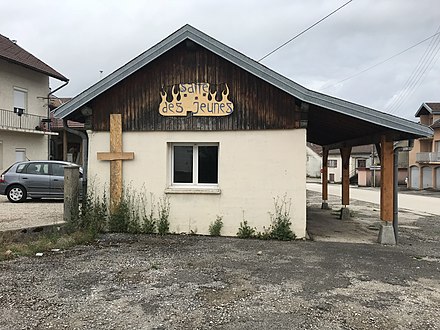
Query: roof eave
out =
(424, 106)
(257, 69)
(59, 76)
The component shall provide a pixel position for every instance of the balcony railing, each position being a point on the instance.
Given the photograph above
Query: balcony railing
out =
(428, 157)
(10, 119)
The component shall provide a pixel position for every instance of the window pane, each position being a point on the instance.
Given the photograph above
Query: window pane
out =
(33, 168)
(362, 163)
(20, 99)
(20, 168)
(208, 164)
(57, 169)
(183, 164)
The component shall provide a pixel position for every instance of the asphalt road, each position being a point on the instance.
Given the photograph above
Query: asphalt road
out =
(424, 205)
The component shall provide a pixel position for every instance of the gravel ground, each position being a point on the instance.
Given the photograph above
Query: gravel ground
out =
(32, 213)
(197, 282)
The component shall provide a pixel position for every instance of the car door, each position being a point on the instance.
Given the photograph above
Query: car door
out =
(57, 179)
(36, 179)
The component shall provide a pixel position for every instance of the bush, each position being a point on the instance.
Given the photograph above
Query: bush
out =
(280, 227)
(92, 216)
(216, 227)
(131, 215)
(119, 218)
(245, 231)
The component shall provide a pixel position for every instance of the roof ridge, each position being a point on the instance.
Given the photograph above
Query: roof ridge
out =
(246, 63)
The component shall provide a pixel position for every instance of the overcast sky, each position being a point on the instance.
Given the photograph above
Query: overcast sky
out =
(80, 38)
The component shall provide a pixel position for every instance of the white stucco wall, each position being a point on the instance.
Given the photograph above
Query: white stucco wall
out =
(254, 167)
(313, 164)
(36, 84)
(337, 171)
(34, 144)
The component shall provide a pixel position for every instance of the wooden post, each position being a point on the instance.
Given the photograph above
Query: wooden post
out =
(386, 180)
(345, 155)
(324, 181)
(71, 190)
(115, 156)
(64, 145)
(386, 231)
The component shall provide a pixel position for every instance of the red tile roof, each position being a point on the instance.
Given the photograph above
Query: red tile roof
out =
(11, 52)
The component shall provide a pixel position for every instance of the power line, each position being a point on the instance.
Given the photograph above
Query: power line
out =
(379, 63)
(417, 74)
(406, 86)
(304, 31)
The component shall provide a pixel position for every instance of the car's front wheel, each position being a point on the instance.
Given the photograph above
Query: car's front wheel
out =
(17, 194)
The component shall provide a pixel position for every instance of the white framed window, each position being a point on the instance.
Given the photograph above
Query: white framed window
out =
(332, 163)
(361, 162)
(20, 154)
(194, 165)
(20, 100)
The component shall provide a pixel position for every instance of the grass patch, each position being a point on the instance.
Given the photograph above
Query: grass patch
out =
(44, 243)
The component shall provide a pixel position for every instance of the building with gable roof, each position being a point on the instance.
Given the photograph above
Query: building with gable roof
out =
(24, 90)
(424, 158)
(221, 134)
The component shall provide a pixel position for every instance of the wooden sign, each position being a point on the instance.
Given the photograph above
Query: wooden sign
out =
(197, 98)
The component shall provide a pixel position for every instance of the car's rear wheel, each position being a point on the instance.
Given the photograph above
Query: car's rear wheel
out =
(17, 194)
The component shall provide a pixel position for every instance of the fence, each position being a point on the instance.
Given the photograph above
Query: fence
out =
(10, 119)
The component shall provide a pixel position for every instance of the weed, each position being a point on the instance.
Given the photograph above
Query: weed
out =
(149, 221)
(216, 227)
(280, 227)
(119, 217)
(44, 243)
(265, 234)
(93, 213)
(245, 231)
(163, 222)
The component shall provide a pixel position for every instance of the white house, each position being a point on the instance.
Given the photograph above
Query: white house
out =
(24, 88)
(360, 157)
(314, 160)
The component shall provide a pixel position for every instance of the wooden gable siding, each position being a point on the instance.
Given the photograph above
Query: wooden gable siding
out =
(257, 104)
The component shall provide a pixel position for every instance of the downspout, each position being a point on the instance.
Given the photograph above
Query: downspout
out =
(85, 149)
(395, 193)
(396, 150)
(48, 115)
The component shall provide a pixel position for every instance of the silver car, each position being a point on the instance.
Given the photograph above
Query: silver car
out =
(34, 179)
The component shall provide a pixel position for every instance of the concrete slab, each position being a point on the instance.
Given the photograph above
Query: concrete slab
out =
(345, 213)
(386, 234)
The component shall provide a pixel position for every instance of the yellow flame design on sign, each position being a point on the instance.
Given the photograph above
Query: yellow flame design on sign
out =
(196, 98)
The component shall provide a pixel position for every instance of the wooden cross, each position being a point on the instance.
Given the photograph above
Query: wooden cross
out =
(115, 156)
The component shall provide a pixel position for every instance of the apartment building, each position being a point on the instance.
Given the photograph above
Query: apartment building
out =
(424, 158)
